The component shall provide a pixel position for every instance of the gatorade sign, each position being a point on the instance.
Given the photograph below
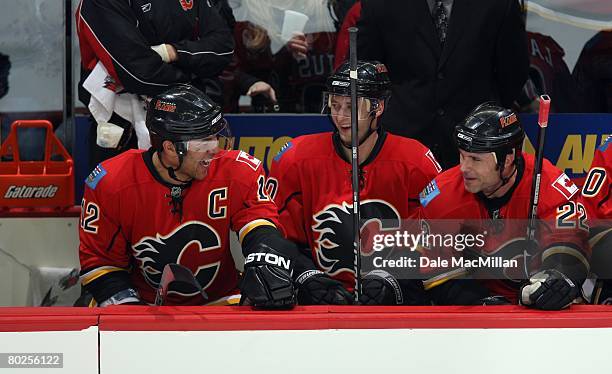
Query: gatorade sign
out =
(30, 192)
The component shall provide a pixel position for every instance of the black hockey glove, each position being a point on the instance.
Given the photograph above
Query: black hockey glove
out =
(317, 288)
(494, 300)
(381, 288)
(549, 290)
(266, 282)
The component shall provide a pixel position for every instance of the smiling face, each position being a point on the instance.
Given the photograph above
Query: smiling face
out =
(340, 109)
(196, 160)
(480, 172)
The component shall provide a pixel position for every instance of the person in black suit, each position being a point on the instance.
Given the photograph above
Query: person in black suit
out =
(444, 58)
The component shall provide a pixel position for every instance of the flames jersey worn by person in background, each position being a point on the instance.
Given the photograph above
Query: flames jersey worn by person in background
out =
(298, 82)
(548, 74)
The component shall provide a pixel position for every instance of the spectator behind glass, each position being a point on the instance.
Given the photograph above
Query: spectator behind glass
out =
(593, 73)
(444, 58)
(139, 48)
(295, 69)
(548, 74)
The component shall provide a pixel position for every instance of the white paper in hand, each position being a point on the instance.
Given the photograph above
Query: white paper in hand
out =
(294, 22)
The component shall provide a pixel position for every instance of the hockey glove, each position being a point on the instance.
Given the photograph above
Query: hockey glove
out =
(266, 282)
(381, 288)
(549, 290)
(317, 288)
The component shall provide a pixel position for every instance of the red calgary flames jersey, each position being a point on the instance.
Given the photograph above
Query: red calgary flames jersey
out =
(314, 194)
(562, 224)
(549, 73)
(596, 189)
(127, 223)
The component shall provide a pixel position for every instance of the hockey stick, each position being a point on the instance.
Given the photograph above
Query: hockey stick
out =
(355, 159)
(535, 182)
(175, 273)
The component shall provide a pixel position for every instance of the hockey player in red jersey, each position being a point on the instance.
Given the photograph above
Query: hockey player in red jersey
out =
(311, 176)
(596, 189)
(595, 196)
(491, 190)
(176, 203)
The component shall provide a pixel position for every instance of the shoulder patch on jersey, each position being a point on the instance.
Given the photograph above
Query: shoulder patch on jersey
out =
(565, 186)
(246, 158)
(95, 177)
(283, 149)
(433, 160)
(606, 144)
(429, 193)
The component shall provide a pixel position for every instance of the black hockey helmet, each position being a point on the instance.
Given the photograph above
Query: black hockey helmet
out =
(373, 85)
(184, 113)
(491, 128)
(372, 80)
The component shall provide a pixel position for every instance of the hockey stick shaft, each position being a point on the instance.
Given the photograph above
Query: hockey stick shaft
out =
(537, 171)
(537, 174)
(355, 159)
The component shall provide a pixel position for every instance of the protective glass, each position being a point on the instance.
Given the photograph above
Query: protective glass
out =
(340, 106)
(213, 146)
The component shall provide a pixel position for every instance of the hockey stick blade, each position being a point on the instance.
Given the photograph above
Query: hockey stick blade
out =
(175, 273)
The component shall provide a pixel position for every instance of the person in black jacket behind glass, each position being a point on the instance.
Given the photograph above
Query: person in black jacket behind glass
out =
(145, 46)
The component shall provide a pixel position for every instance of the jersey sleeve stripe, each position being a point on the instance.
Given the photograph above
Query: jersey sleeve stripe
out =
(444, 277)
(566, 250)
(252, 225)
(227, 300)
(595, 239)
(97, 273)
(205, 52)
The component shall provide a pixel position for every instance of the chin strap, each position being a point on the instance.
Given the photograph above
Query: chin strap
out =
(503, 180)
(171, 171)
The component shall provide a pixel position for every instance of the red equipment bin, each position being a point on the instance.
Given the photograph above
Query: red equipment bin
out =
(45, 183)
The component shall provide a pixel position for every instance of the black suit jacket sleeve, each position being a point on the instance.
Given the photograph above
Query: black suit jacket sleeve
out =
(511, 55)
(369, 37)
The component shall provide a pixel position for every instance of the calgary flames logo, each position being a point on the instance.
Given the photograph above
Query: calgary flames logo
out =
(193, 244)
(186, 4)
(334, 246)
